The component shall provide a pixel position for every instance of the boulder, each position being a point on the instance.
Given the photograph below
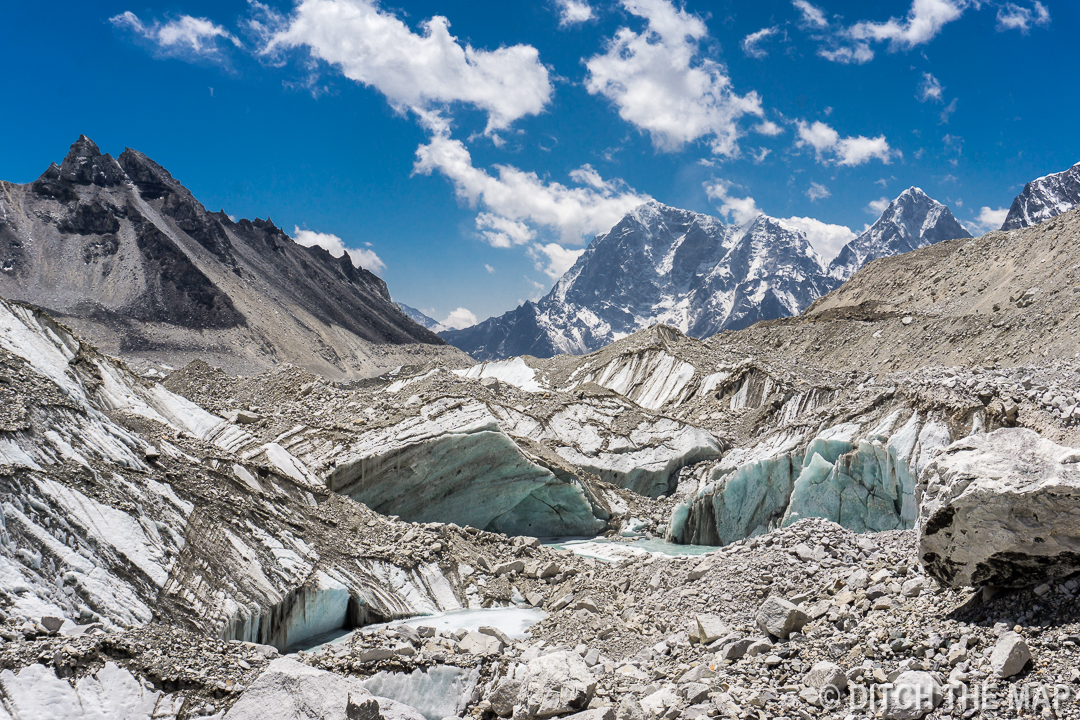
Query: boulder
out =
(479, 643)
(780, 618)
(707, 628)
(1000, 509)
(555, 684)
(1010, 655)
(914, 693)
(825, 674)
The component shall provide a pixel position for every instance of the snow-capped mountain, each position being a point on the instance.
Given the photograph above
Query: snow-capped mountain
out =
(691, 271)
(660, 265)
(420, 318)
(911, 221)
(1045, 198)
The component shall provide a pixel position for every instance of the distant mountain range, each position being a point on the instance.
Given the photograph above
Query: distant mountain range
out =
(122, 252)
(689, 270)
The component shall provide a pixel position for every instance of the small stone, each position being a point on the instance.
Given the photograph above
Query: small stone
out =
(826, 674)
(915, 693)
(52, 624)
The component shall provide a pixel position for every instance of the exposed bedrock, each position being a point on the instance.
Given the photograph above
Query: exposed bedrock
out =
(863, 480)
(1001, 508)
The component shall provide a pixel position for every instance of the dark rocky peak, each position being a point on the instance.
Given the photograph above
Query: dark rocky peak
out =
(152, 180)
(85, 165)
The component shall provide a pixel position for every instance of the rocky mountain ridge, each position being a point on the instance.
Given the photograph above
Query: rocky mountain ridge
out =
(122, 251)
(1044, 198)
(692, 272)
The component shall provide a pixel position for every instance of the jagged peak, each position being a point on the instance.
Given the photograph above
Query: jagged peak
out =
(85, 165)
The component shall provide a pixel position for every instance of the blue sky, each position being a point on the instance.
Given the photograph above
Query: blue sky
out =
(467, 151)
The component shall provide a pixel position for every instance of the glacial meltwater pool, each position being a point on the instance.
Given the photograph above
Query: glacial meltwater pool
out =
(614, 550)
(514, 621)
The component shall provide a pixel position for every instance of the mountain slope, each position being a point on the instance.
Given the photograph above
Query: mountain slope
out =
(692, 272)
(1044, 198)
(911, 221)
(123, 252)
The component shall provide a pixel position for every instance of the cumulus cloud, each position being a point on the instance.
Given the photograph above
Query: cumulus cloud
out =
(740, 210)
(361, 257)
(661, 82)
(503, 232)
(573, 12)
(828, 240)
(768, 127)
(878, 206)
(930, 89)
(811, 15)
(424, 71)
(1014, 17)
(183, 37)
(553, 259)
(489, 268)
(751, 44)
(817, 191)
(459, 319)
(989, 219)
(516, 196)
(827, 142)
(923, 22)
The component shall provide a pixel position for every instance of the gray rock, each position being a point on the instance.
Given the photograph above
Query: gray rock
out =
(52, 624)
(735, 650)
(1000, 509)
(707, 628)
(604, 713)
(1010, 655)
(503, 697)
(780, 618)
(826, 674)
(914, 694)
(478, 643)
(555, 684)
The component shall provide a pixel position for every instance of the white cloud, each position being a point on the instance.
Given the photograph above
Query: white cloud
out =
(878, 206)
(1013, 17)
(489, 268)
(989, 219)
(759, 156)
(811, 14)
(186, 36)
(459, 319)
(503, 232)
(947, 111)
(768, 127)
(922, 24)
(572, 12)
(845, 150)
(817, 191)
(361, 258)
(553, 259)
(930, 89)
(827, 239)
(422, 72)
(751, 44)
(740, 210)
(575, 213)
(661, 82)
